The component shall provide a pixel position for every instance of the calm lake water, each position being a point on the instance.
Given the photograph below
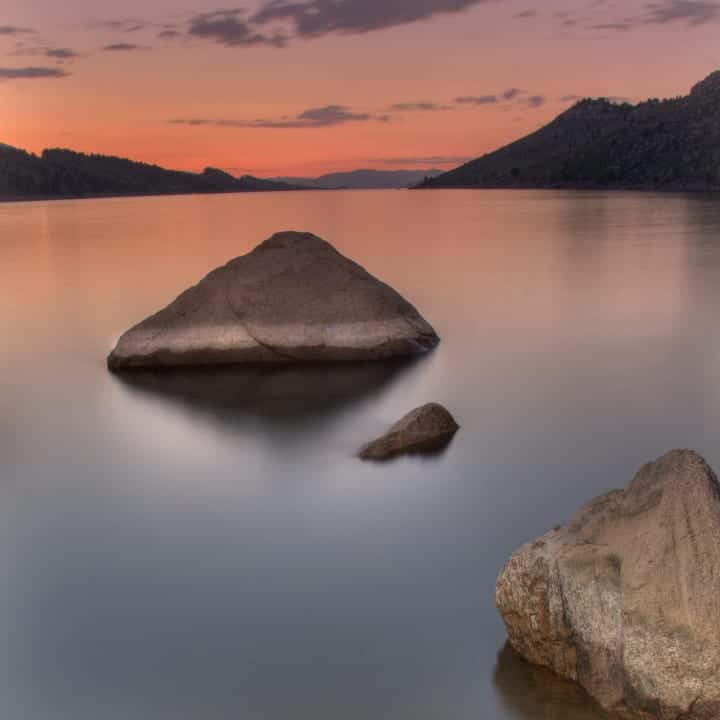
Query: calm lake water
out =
(204, 545)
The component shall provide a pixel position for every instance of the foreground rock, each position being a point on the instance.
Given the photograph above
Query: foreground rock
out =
(294, 298)
(425, 429)
(625, 599)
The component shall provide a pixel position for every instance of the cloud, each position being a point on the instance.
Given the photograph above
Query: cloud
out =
(525, 14)
(124, 47)
(534, 101)
(694, 12)
(427, 161)
(569, 98)
(322, 117)
(31, 73)
(128, 25)
(477, 100)
(12, 30)
(312, 18)
(59, 54)
(228, 27)
(665, 12)
(420, 106)
(620, 26)
(289, 19)
(168, 34)
(493, 99)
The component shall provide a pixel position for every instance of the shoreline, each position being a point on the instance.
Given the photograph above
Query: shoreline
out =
(109, 196)
(8, 199)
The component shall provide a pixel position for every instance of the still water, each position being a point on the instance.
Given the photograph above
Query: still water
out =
(204, 545)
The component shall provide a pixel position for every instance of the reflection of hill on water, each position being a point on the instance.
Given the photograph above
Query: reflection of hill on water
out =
(529, 692)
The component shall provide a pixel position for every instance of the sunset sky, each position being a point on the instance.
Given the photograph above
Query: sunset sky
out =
(303, 87)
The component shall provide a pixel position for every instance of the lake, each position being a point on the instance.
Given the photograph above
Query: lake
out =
(204, 545)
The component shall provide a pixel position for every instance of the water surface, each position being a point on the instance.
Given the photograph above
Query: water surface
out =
(204, 545)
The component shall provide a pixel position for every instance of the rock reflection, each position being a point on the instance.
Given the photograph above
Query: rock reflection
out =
(283, 395)
(529, 692)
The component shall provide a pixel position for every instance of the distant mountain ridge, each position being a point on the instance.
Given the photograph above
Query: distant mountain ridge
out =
(659, 144)
(363, 179)
(60, 173)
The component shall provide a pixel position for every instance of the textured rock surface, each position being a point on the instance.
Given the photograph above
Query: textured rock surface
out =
(294, 298)
(625, 599)
(424, 429)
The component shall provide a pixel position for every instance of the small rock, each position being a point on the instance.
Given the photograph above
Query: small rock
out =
(425, 429)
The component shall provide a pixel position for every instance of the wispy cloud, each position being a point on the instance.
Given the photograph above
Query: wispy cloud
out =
(511, 98)
(13, 30)
(619, 26)
(322, 117)
(525, 15)
(59, 54)
(31, 73)
(124, 47)
(692, 13)
(126, 25)
(477, 99)
(490, 99)
(534, 101)
(420, 106)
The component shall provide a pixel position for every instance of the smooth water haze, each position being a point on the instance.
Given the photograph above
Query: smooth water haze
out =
(203, 545)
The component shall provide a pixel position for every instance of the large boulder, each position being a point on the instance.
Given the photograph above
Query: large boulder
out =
(625, 599)
(294, 298)
(425, 429)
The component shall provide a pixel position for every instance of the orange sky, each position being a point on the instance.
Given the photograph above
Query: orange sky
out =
(242, 101)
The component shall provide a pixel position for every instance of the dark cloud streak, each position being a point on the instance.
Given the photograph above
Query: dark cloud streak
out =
(126, 25)
(288, 19)
(124, 47)
(477, 100)
(420, 106)
(12, 30)
(228, 27)
(322, 117)
(31, 73)
(59, 54)
(534, 101)
(693, 13)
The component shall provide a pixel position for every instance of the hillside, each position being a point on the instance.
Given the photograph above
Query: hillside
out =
(68, 174)
(364, 179)
(669, 145)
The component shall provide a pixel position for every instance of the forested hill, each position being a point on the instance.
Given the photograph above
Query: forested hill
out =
(68, 174)
(659, 144)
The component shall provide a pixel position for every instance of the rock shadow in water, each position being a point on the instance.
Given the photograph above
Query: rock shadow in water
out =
(529, 692)
(282, 395)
